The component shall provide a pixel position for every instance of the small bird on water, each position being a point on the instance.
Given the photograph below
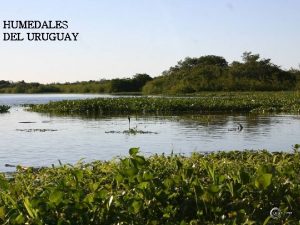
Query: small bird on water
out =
(240, 127)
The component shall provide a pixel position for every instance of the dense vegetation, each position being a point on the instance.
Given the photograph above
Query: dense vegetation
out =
(4, 108)
(216, 102)
(134, 84)
(217, 188)
(206, 73)
(213, 73)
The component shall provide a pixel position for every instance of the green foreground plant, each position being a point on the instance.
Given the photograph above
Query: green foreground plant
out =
(237, 187)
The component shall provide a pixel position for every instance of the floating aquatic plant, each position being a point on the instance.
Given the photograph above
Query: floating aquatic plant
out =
(236, 187)
(4, 108)
(36, 130)
(133, 131)
(251, 102)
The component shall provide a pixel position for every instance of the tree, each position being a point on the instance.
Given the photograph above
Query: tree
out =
(139, 80)
(248, 57)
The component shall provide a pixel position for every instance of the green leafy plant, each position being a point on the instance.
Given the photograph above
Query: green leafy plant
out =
(236, 187)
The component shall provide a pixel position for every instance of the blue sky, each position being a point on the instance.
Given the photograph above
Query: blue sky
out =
(119, 38)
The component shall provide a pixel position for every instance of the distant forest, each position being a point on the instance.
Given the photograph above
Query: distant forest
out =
(191, 75)
(134, 84)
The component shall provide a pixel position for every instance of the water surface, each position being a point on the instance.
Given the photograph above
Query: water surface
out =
(19, 99)
(35, 139)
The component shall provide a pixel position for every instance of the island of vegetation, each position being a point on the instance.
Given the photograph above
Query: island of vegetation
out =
(237, 187)
(254, 102)
(191, 75)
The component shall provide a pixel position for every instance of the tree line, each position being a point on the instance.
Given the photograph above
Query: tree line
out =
(191, 75)
(214, 73)
(134, 84)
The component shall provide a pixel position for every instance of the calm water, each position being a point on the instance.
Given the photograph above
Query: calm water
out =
(19, 99)
(35, 139)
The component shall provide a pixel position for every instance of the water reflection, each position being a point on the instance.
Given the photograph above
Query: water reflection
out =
(51, 137)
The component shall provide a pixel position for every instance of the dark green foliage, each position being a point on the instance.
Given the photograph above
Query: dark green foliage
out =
(296, 73)
(217, 188)
(218, 102)
(134, 84)
(23, 87)
(212, 73)
(102, 86)
(130, 85)
(4, 108)
(4, 84)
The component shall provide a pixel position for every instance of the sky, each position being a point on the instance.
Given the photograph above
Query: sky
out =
(119, 38)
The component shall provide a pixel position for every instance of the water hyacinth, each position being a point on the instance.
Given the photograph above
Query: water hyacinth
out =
(237, 187)
(249, 102)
